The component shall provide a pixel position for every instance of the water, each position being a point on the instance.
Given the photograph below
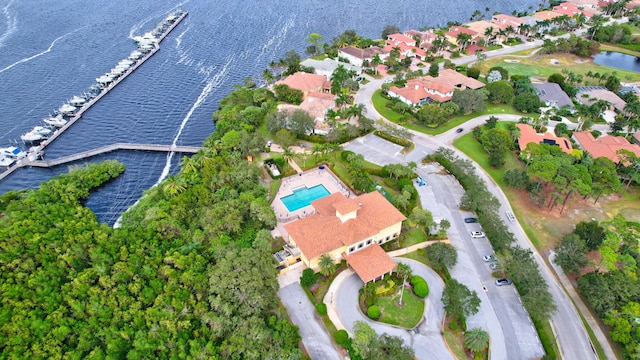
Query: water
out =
(52, 50)
(617, 60)
(303, 197)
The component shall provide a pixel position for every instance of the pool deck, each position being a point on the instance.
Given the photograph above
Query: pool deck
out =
(309, 179)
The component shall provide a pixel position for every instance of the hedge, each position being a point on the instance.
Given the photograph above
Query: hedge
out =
(373, 312)
(420, 287)
(321, 308)
(394, 139)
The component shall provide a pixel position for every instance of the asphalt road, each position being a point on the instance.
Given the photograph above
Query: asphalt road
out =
(303, 314)
(426, 340)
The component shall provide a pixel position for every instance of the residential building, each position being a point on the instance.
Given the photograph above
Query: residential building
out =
(454, 31)
(553, 95)
(349, 228)
(590, 94)
(480, 27)
(327, 66)
(316, 105)
(529, 135)
(425, 37)
(397, 39)
(357, 56)
(570, 9)
(546, 15)
(507, 20)
(307, 83)
(604, 146)
(428, 89)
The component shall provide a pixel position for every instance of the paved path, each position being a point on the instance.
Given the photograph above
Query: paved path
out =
(426, 339)
(303, 314)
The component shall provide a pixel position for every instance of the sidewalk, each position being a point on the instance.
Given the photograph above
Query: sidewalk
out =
(329, 299)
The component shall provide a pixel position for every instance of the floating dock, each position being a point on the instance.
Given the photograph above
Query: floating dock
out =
(30, 159)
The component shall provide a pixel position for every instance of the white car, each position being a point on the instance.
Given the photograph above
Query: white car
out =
(477, 234)
(489, 258)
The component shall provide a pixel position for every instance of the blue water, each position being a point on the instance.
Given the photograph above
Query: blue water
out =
(303, 197)
(52, 50)
(618, 60)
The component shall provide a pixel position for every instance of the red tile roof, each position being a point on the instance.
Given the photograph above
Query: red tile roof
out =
(508, 19)
(529, 135)
(324, 231)
(370, 262)
(605, 146)
(570, 10)
(400, 38)
(304, 82)
(546, 15)
(455, 30)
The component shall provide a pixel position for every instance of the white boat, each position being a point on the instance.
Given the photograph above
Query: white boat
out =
(77, 101)
(45, 132)
(104, 80)
(12, 152)
(6, 162)
(126, 62)
(57, 121)
(67, 109)
(135, 55)
(31, 137)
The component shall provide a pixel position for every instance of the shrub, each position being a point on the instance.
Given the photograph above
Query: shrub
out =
(373, 312)
(473, 72)
(321, 308)
(420, 287)
(341, 337)
(453, 325)
(308, 278)
(370, 300)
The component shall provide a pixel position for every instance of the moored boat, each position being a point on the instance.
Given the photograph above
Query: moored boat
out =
(67, 109)
(57, 121)
(6, 161)
(31, 137)
(77, 101)
(12, 152)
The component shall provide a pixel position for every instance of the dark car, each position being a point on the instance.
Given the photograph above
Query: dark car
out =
(459, 130)
(470, 220)
(503, 281)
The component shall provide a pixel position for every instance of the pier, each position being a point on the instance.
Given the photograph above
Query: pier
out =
(97, 151)
(78, 115)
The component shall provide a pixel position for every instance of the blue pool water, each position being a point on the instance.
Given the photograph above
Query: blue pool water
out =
(303, 197)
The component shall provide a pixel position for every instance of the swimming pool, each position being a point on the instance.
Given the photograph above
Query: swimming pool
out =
(303, 197)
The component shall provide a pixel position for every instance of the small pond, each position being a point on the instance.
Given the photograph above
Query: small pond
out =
(618, 60)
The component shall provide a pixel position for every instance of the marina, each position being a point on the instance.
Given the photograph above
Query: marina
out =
(41, 136)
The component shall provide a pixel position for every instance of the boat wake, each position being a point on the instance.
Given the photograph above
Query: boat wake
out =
(53, 43)
(204, 94)
(12, 24)
(273, 44)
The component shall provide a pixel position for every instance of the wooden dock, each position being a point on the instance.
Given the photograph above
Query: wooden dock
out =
(97, 151)
(121, 146)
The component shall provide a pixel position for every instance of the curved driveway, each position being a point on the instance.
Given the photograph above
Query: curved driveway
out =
(426, 339)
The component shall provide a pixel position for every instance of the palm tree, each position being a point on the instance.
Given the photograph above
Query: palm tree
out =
(287, 154)
(173, 185)
(405, 271)
(488, 34)
(267, 76)
(463, 40)
(326, 264)
(476, 340)
(376, 61)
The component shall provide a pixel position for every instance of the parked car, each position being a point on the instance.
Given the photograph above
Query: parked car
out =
(470, 220)
(359, 78)
(459, 130)
(503, 281)
(477, 234)
(489, 258)
(510, 216)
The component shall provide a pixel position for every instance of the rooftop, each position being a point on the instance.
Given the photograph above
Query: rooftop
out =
(605, 146)
(553, 93)
(529, 135)
(370, 262)
(304, 82)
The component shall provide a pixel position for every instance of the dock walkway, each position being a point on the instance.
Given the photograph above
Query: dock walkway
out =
(120, 146)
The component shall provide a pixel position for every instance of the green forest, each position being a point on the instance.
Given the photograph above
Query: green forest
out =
(189, 274)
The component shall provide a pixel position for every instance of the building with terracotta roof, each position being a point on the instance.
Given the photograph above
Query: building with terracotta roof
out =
(352, 229)
(546, 15)
(316, 105)
(307, 83)
(570, 9)
(426, 37)
(454, 31)
(427, 89)
(357, 56)
(507, 20)
(604, 146)
(397, 38)
(480, 27)
(529, 135)
(406, 50)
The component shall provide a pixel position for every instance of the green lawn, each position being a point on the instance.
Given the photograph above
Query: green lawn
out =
(455, 342)
(412, 237)
(407, 316)
(417, 255)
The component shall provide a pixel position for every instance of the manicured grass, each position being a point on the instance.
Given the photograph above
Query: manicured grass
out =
(407, 316)
(455, 342)
(611, 47)
(273, 189)
(594, 339)
(417, 255)
(412, 237)
(540, 66)
(380, 103)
